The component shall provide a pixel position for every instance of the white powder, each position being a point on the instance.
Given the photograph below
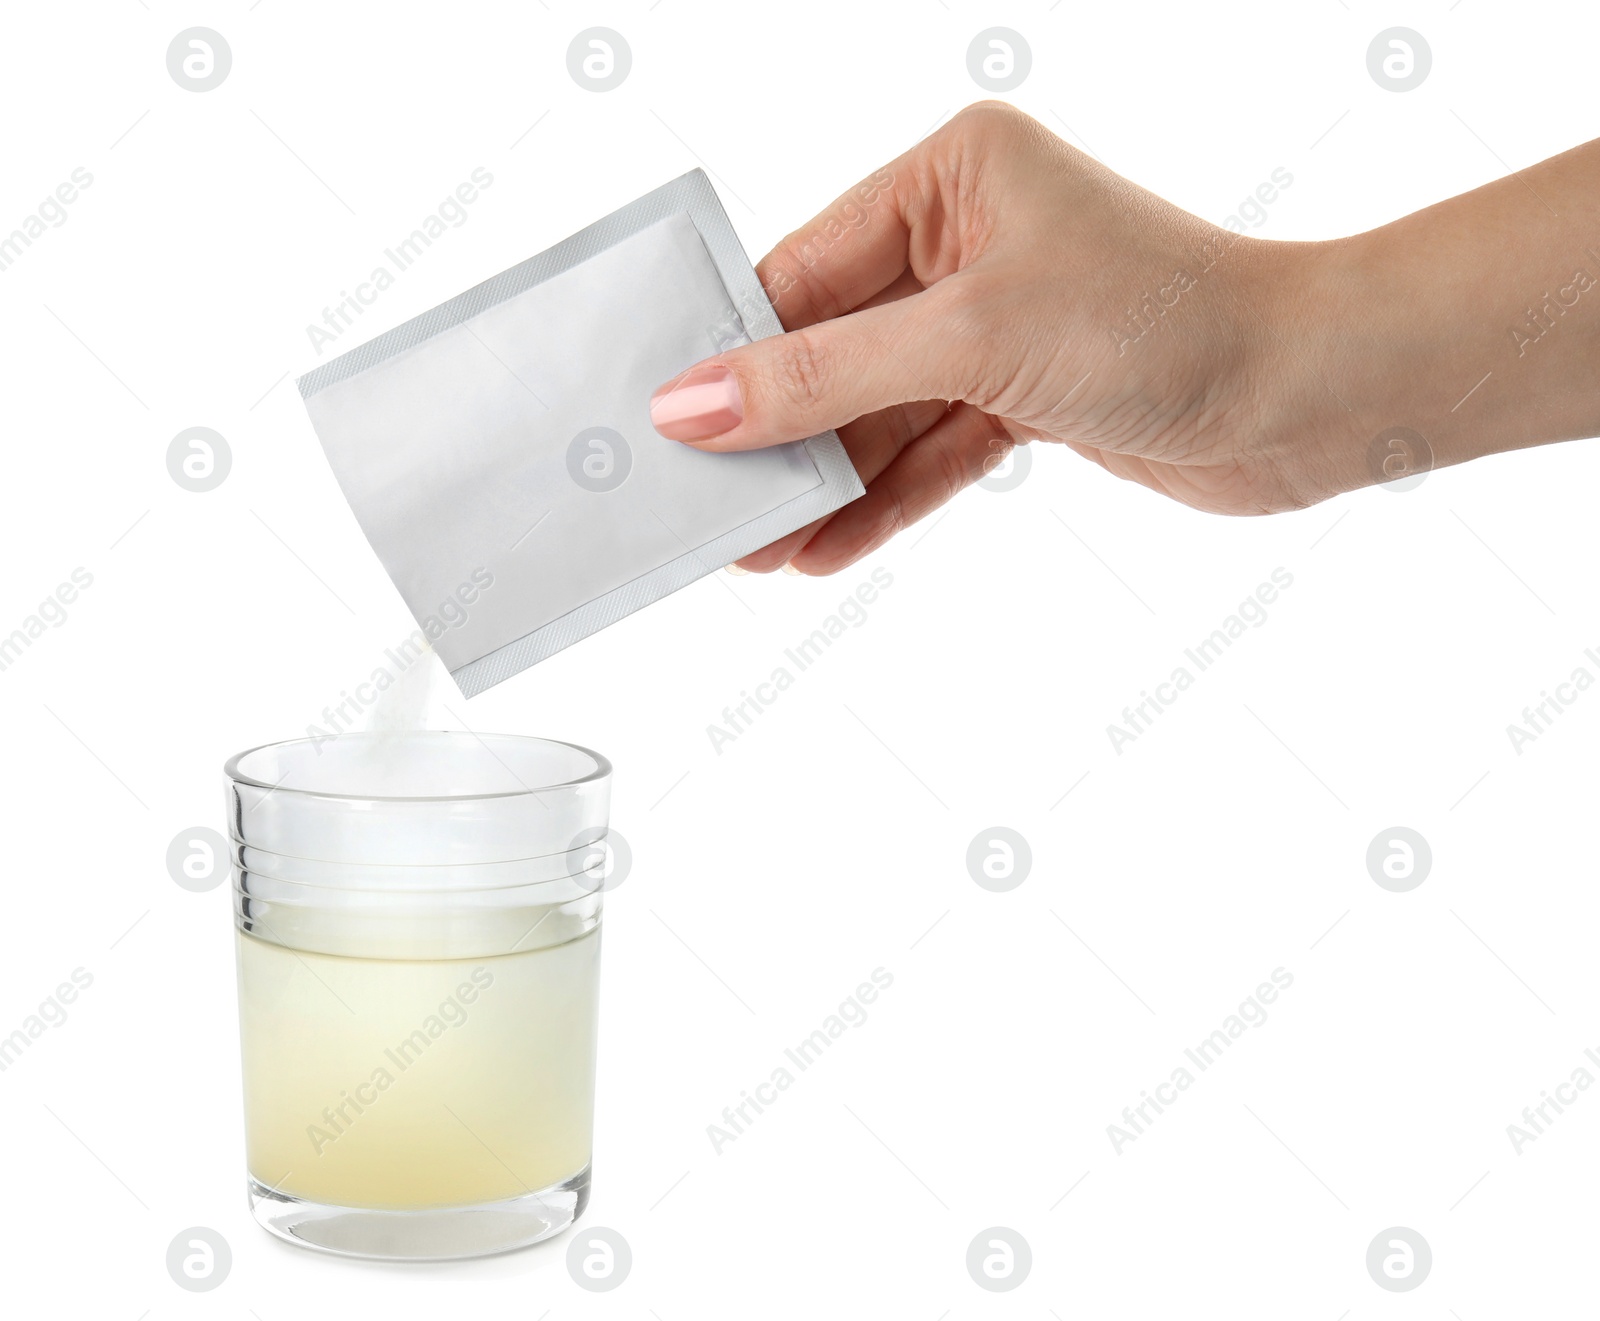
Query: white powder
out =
(414, 700)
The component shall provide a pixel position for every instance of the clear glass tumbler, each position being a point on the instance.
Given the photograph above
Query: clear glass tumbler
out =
(418, 931)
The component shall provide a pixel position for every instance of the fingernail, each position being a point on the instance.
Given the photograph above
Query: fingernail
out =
(702, 403)
(737, 572)
(791, 570)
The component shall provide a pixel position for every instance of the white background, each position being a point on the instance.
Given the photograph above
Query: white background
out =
(828, 840)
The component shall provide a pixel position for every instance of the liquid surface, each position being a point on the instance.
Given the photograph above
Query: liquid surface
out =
(400, 1085)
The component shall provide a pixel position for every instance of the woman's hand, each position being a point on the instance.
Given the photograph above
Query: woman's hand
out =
(995, 286)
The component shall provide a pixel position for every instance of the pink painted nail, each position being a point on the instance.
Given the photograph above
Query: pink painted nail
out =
(702, 403)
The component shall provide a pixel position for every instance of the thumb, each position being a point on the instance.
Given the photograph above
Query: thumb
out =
(789, 387)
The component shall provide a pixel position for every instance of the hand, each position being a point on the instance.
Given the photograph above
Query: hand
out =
(995, 286)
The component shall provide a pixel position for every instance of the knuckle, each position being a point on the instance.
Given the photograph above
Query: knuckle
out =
(894, 520)
(966, 310)
(987, 116)
(801, 369)
(991, 135)
(988, 124)
(954, 476)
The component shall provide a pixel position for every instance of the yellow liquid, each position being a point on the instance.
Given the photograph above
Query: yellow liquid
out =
(425, 1083)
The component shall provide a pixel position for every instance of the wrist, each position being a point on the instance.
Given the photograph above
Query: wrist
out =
(1367, 367)
(1302, 315)
(1428, 342)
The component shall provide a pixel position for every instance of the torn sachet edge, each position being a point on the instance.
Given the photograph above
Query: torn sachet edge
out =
(694, 194)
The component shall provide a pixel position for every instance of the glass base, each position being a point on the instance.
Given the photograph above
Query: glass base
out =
(446, 1233)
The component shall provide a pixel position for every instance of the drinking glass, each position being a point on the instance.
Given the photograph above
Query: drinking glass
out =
(418, 930)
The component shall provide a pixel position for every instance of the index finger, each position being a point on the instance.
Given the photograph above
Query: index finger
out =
(851, 251)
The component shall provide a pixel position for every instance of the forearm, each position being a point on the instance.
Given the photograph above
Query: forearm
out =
(1475, 323)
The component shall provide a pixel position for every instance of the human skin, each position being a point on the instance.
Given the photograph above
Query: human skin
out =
(995, 286)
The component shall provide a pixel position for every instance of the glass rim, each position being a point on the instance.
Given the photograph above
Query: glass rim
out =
(602, 768)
